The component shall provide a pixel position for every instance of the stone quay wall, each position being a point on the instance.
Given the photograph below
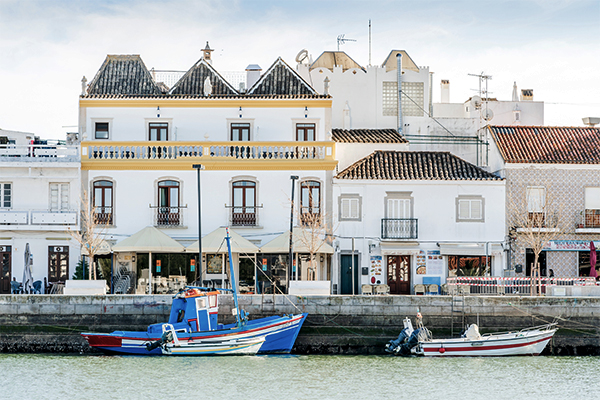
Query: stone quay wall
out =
(335, 325)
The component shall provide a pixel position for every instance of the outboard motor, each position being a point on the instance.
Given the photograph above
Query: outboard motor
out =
(395, 344)
(167, 337)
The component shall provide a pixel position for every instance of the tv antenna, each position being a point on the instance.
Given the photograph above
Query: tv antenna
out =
(341, 40)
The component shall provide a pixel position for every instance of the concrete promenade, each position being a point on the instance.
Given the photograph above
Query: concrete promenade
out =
(336, 324)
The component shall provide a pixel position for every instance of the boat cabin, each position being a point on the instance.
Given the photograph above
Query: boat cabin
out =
(193, 310)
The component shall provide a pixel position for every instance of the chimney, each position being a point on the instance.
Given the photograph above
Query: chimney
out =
(526, 94)
(515, 97)
(207, 54)
(445, 91)
(252, 75)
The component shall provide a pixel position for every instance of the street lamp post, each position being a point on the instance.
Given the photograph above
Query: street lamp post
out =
(198, 167)
(291, 262)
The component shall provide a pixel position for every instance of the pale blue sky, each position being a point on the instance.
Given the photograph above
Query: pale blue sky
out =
(46, 47)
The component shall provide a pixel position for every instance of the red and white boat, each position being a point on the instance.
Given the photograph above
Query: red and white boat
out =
(526, 342)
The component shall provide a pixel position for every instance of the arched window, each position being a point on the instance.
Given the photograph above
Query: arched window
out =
(103, 202)
(244, 203)
(310, 201)
(168, 203)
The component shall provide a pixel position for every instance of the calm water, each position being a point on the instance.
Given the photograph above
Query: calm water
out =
(297, 377)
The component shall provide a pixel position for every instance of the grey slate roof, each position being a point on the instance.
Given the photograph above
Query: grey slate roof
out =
(414, 165)
(280, 79)
(123, 74)
(367, 136)
(193, 82)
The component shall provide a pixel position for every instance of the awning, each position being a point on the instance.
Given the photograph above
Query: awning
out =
(395, 247)
(215, 242)
(470, 249)
(301, 243)
(101, 248)
(148, 240)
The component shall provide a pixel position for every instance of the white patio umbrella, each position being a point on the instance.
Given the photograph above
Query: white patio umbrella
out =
(27, 275)
(149, 240)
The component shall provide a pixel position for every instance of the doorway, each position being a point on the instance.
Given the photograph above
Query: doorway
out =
(346, 274)
(530, 257)
(5, 274)
(247, 275)
(398, 279)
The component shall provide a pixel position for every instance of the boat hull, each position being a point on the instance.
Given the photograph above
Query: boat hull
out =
(280, 333)
(214, 348)
(531, 343)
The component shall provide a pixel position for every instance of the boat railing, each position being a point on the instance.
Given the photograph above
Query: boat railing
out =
(545, 327)
(496, 285)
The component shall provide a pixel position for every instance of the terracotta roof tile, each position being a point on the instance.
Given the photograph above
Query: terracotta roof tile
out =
(367, 136)
(546, 144)
(414, 165)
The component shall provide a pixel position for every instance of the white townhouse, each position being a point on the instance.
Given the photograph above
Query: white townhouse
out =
(377, 97)
(416, 217)
(40, 185)
(141, 140)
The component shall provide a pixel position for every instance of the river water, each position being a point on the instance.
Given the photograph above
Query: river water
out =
(26, 376)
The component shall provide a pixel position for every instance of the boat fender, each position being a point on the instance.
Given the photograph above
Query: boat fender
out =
(442, 350)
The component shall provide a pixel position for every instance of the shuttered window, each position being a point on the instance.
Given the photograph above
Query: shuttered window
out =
(469, 209)
(5, 195)
(350, 208)
(59, 196)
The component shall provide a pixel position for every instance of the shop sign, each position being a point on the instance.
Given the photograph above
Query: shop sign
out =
(570, 245)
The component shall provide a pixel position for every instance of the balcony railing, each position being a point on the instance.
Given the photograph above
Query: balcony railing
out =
(39, 153)
(166, 217)
(243, 216)
(399, 228)
(103, 215)
(207, 150)
(38, 217)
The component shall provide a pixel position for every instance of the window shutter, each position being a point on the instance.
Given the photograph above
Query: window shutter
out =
(463, 209)
(345, 204)
(354, 208)
(476, 209)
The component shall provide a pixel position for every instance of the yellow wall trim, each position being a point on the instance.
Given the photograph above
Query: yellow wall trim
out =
(207, 103)
(212, 164)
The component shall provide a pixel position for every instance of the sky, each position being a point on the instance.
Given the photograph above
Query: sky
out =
(47, 46)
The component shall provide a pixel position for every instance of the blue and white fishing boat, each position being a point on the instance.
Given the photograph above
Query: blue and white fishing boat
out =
(193, 329)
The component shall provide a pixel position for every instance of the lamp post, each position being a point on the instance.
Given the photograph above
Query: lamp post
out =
(198, 167)
(291, 262)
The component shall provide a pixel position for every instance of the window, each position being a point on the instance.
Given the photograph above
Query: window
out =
(158, 131)
(399, 222)
(5, 195)
(101, 130)
(58, 263)
(59, 196)
(240, 132)
(244, 203)
(350, 207)
(305, 132)
(103, 202)
(592, 207)
(469, 209)
(168, 203)
(310, 201)
(412, 99)
(536, 204)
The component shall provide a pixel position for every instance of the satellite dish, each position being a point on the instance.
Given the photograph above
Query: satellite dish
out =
(476, 101)
(487, 114)
(302, 55)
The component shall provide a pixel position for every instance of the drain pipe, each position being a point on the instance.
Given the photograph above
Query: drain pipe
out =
(399, 65)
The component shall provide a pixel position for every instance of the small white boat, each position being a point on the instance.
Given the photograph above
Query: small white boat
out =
(526, 342)
(172, 346)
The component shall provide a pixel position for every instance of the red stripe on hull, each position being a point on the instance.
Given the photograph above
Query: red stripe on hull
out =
(482, 348)
(103, 341)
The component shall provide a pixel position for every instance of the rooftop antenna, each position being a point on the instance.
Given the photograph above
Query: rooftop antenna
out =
(484, 112)
(341, 40)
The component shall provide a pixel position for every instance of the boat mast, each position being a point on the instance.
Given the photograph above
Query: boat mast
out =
(233, 286)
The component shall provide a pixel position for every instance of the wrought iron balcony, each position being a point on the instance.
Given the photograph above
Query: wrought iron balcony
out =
(168, 216)
(103, 215)
(399, 228)
(243, 216)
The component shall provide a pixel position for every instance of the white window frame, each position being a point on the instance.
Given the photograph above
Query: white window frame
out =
(109, 121)
(346, 204)
(536, 204)
(63, 196)
(240, 121)
(470, 202)
(592, 198)
(402, 199)
(296, 121)
(3, 187)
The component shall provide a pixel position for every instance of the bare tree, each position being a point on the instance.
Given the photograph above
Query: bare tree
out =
(535, 217)
(91, 232)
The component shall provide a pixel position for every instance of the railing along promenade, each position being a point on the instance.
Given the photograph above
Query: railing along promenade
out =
(466, 285)
(39, 153)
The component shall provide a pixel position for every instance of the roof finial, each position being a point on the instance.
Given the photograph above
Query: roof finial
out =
(206, 53)
(83, 85)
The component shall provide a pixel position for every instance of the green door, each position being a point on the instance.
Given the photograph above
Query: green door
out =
(346, 274)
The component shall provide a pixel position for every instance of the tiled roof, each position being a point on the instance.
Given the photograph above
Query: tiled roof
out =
(193, 81)
(280, 79)
(125, 75)
(546, 144)
(367, 136)
(414, 165)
